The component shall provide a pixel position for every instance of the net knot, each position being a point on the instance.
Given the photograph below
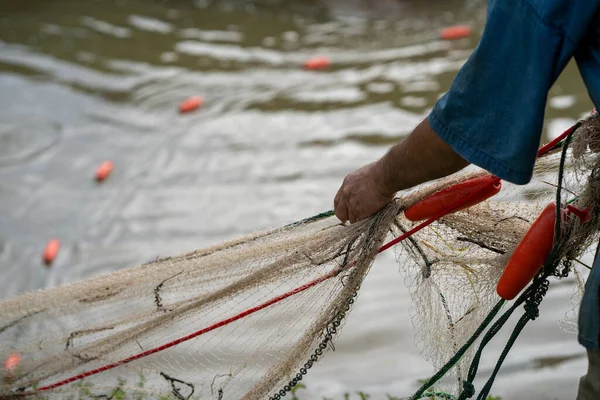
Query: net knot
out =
(468, 389)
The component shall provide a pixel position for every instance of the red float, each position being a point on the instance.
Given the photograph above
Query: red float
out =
(190, 104)
(456, 32)
(529, 256)
(51, 251)
(479, 189)
(317, 63)
(104, 170)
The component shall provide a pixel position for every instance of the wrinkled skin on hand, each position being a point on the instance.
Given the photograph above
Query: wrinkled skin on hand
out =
(421, 157)
(361, 195)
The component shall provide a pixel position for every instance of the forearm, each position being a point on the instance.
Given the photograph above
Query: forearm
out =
(421, 157)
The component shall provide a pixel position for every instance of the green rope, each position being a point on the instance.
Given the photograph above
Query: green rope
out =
(541, 285)
(533, 296)
(513, 337)
(314, 218)
(458, 355)
(468, 388)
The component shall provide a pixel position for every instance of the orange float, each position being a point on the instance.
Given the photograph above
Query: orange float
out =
(479, 189)
(529, 256)
(51, 251)
(456, 32)
(317, 63)
(190, 104)
(104, 170)
(11, 363)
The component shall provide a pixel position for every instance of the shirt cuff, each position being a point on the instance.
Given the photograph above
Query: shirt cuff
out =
(475, 155)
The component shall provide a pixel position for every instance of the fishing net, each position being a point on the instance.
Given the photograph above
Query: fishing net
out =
(248, 318)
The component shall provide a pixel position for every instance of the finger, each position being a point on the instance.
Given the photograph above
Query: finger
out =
(351, 217)
(341, 211)
(336, 200)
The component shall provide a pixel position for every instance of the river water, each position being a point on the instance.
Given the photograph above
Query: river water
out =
(85, 81)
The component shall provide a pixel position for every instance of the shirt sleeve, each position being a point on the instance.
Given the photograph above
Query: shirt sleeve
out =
(493, 113)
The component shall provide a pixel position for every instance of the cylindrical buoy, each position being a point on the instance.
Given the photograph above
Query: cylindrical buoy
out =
(51, 251)
(455, 32)
(190, 104)
(104, 170)
(317, 63)
(529, 256)
(481, 188)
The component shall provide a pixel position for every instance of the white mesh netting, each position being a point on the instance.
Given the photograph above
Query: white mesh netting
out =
(223, 322)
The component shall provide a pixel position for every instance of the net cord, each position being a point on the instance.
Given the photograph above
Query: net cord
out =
(262, 306)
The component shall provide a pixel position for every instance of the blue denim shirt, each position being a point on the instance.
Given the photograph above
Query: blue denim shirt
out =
(493, 113)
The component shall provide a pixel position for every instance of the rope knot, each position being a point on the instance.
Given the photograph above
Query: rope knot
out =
(532, 310)
(468, 389)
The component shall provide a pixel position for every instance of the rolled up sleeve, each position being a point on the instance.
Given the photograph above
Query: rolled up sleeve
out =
(493, 113)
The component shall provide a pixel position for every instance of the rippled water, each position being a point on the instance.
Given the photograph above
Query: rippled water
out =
(85, 81)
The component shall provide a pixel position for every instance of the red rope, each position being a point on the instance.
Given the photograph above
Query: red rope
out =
(188, 337)
(548, 146)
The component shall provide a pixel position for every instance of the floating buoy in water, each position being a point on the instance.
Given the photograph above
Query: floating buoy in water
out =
(317, 63)
(485, 186)
(455, 32)
(11, 363)
(190, 104)
(529, 256)
(51, 251)
(104, 170)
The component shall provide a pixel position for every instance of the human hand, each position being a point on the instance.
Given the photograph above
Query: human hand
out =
(361, 195)
(421, 157)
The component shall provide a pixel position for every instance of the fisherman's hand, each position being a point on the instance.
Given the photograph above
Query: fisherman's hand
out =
(361, 194)
(421, 157)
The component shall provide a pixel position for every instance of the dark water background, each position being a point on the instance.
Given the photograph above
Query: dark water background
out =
(84, 81)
